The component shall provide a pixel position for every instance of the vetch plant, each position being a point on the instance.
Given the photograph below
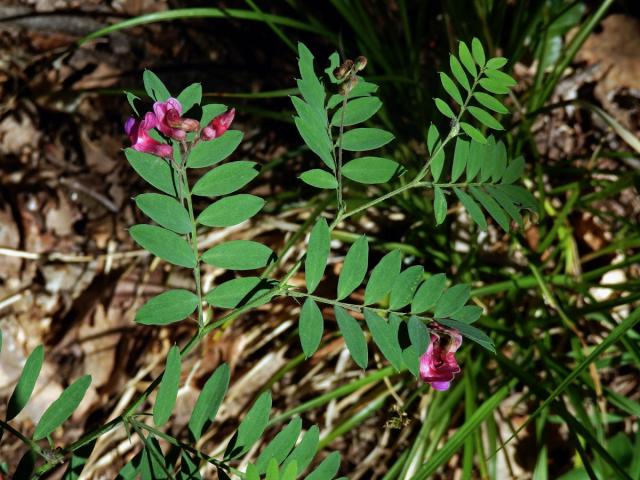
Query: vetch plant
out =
(416, 319)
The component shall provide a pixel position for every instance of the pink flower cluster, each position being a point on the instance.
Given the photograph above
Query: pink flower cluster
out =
(438, 365)
(167, 119)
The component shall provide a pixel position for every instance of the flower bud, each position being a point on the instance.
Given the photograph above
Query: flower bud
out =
(361, 62)
(343, 70)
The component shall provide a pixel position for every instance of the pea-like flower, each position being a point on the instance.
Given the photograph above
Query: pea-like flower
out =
(170, 120)
(218, 125)
(138, 132)
(438, 365)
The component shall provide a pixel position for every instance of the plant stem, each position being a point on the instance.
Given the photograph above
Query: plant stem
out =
(27, 441)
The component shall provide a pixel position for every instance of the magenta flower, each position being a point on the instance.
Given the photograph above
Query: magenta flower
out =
(138, 132)
(169, 118)
(218, 125)
(438, 365)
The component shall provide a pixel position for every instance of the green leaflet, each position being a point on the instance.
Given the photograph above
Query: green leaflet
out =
(310, 327)
(26, 383)
(467, 59)
(327, 469)
(238, 292)
(315, 141)
(444, 108)
(362, 139)
(211, 111)
(436, 165)
(458, 72)
(239, 255)
(251, 427)
(473, 132)
(319, 179)
(383, 277)
(386, 337)
(467, 314)
(154, 170)
(514, 171)
(190, 96)
(166, 211)
(226, 179)
(210, 152)
(452, 300)
(165, 244)
(450, 88)
(317, 254)
(370, 170)
(168, 307)
(418, 334)
(405, 286)
(429, 293)
(168, 390)
(353, 337)
(305, 450)
(231, 210)
(432, 137)
(472, 207)
(355, 267)
(280, 446)
(357, 111)
(491, 206)
(209, 400)
(154, 86)
(470, 332)
(490, 102)
(460, 156)
(485, 118)
(309, 84)
(62, 408)
(478, 51)
(439, 205)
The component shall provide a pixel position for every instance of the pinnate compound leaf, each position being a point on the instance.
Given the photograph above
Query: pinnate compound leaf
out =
(310, 327)
(473, 132)
(478, 52)
(26, 383)
(280, 446)
(353, 337)
(154, 86)
(168, 390)
(166, 211)
(383, 277)
(490, 102)
(429, 293)
(491, 206)
(210, 152)
(239, 291)
(452, 300)
(439, 205)
(327, 469)
(319, 179)
(405, 286)
(239, 255)
(304, 452)
(460, 156)
(209, 400)
(226, 178)
(165, 244)
(231, 210)
(485, 118)
(450, 88)
(370, 170)
(168, 307)
(317, 254)
(62, 408)
(358, 110)
(458, 72)
(467, 59)
(470, 332)
(444, 108)
(155, 170)
(355, 267)
(251, 428)
(386, 337)
(362, 139)
(190, 96)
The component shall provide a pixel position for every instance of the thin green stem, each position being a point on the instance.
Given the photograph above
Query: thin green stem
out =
(26, 440)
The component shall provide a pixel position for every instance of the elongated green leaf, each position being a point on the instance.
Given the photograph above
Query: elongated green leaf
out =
(478, 52)
(506, 203)
(452, 300)
(370, 170)
(467, 314)
(327, 469)
(418, 334)
(450, 88)
(311, 327)
(472, 207)
(166, 211)
(280, 446)
(460, 157)
(131, 98)
(405, 286)
(154, 170)
(26, 382)
(358, 110)
(436, 165)
(355, 267)
(168, 390)
(458, 73)
(496, 63)
(439, 205)
(490, 102)
(429, 293)
(239, 291)
(251, 427)
(154, 86)
(304, 452)
(444, 108)
(492, 207)
(62, 408)
(211, 111)
(514, 171)
(475, 160)
(317, 254)
(485, 118)
(164, 244)
(353, 337)
(309, 85)
(273, 473)
(209, 152)
(231, 210)
(470, 332)
(209, 400)
(168, 307)
(314, 121)
(432, 137)
(386, 337)
(239, 255)
(361, 139)
(189, 468)
(226, 179)
(383, 277)
(467, 59)
(190, 96)
(319, 178)
(520, 195)
(502, 78)
(493, 86)
(316, 141)
(473, 132)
